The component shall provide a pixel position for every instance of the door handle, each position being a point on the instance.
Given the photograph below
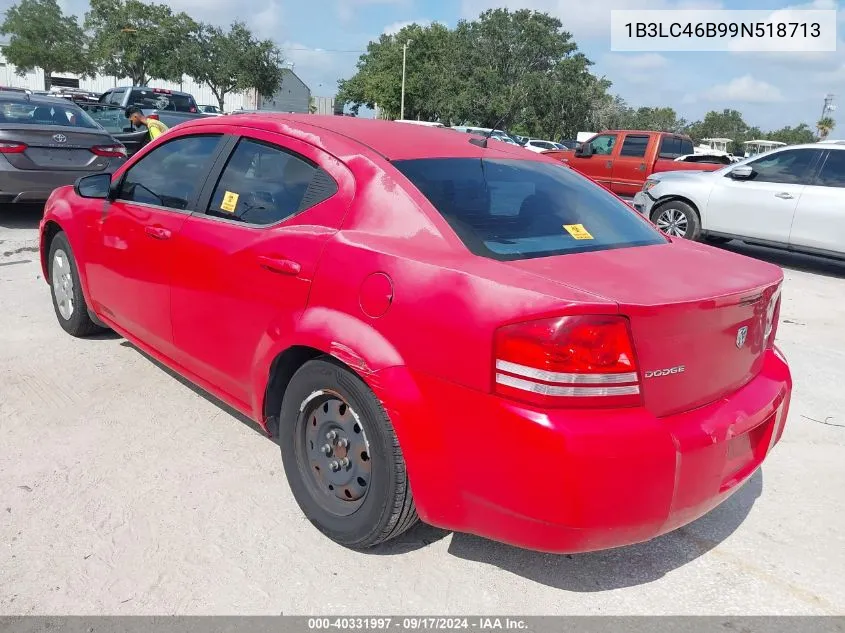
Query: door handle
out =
(280, 265)
(641, 167)
(157, 232)
(608, 163)
(783, 195)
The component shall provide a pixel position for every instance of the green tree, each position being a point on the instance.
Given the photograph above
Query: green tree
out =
(825, 126)
(506, 59)
(792, 135)
(378, 79)
(233, 61)
(140, 41)
(725, 124)
(658, 119)
(41, 36)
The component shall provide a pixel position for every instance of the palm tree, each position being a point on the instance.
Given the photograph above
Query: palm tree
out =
(825, 127)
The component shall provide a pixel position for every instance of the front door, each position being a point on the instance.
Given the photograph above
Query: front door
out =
(131, 246)
(598, 166)
(763, 206)
(247, 258)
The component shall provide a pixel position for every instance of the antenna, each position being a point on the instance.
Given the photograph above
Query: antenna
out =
(482, 142)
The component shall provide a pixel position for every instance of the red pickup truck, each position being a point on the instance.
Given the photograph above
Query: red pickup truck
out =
(622, 160)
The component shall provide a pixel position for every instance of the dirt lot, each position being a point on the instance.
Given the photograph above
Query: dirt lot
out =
(124, 490)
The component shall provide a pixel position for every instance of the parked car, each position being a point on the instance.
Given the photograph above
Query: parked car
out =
(171, 107)
(47, 142)
(210, 109)
(622, 160)
(537, 145)
(432, 328)
(788, 198)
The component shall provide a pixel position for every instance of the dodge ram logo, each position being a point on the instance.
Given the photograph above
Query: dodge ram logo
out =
(60, 138)
(741, 335)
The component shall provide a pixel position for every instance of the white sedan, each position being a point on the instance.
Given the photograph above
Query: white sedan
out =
(792, 198)
(537, 145)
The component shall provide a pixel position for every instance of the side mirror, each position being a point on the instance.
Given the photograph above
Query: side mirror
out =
(584, 151)
(741, 172)
(97, 186)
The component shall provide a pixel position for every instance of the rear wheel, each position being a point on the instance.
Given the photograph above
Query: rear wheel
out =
(676, 218)
(68, 301)
(342, 458)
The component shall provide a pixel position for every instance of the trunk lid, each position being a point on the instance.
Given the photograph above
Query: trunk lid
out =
(56, 148)
(687, 304)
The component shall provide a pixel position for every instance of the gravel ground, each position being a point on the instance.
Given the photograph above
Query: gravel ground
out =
(125, 490)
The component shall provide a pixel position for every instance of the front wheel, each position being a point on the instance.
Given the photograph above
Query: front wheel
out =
(342, 458)
(68, 300)
(676, 218)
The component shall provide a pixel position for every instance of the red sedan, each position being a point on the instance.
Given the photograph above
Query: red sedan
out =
(433, 326)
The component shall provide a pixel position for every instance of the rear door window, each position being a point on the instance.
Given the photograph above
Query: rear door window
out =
(634, 145)
(264, 184)
(522, 209)
(832, 173)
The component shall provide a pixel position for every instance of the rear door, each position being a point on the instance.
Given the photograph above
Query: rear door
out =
(599, 165)
(247, 258)
(762, 207)
(820, 217)
(629, 167)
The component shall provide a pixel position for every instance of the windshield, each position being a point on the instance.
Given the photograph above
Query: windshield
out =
(149, 99)
(59, 114)
(521, 209)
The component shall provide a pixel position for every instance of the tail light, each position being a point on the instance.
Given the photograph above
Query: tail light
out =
(12, 148)
(572, 361)
(772, 317)
(162, 91)
(110, 151)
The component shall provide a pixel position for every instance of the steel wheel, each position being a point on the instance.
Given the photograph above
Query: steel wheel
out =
(673, 222)
(333, 453)
(62, 277)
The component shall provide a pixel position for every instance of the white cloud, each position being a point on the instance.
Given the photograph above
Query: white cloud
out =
(393, 29)
(646, 61)
(587, 19)
(744, 89)
(346, 9)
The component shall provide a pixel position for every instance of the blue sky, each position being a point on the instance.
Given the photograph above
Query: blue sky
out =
(771, 89)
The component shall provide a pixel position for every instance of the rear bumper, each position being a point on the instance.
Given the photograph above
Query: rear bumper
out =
(576, 481)
(18, 185)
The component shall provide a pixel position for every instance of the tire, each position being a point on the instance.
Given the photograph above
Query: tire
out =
(66, 290)
(676, 218)
(368, 500)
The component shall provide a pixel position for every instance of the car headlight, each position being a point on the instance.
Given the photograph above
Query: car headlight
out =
(649, 184)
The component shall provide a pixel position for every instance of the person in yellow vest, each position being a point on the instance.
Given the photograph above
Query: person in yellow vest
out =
(154, 127)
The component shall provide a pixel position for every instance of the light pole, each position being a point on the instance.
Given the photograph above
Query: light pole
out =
(404, 60)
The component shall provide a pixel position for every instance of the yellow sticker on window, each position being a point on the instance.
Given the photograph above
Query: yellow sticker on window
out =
(230, 201)
(578, 231)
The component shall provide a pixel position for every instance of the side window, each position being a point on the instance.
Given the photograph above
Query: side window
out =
(634, 145)
(264, 184)
(171, 174)
(105, 97)
(603, 144)
(685, 146)
(832, 173)
(786, 167)
(116, 97)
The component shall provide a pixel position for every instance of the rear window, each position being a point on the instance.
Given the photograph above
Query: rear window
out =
(59, 114)
(522, 209)
(152, 100)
